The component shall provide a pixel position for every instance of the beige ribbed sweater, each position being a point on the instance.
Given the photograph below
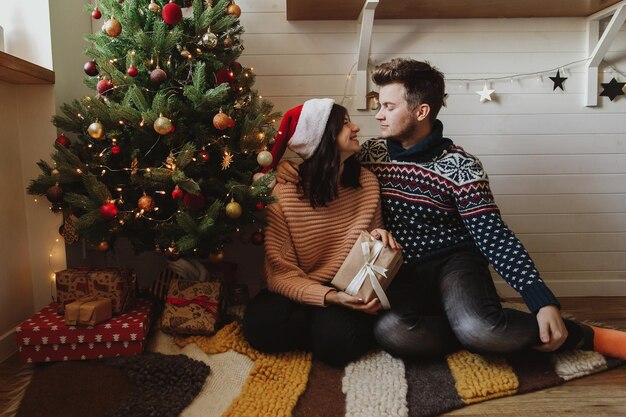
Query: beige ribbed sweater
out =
(304, 247)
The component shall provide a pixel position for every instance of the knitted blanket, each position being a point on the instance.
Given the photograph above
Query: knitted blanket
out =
(148, 385)
(251, 383)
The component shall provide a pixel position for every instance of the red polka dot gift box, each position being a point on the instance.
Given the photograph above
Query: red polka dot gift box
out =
(46, 338)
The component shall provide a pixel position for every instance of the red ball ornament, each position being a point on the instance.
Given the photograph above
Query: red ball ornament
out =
(236, 67)
(194, 202)
(62, 140)
(172, 13)
(204, 156)
(177, 193)
(132, 71)
(96, 14)
(257, 238)
(231, 122)
(260, 206)
(108, 211)
(91, 68)
(54, 194)
(115, 150)
(172, 128)
(104, 86)
(224, 75)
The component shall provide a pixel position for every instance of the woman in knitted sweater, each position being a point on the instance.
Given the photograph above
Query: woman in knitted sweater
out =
(310, 231)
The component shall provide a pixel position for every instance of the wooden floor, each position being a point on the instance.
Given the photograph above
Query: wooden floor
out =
(601, 395)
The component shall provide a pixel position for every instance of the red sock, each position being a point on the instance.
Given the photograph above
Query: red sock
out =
(609, 342)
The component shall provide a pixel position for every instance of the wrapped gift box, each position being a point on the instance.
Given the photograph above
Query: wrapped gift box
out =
(192, 307)
(88, 310)
(118, 284)
(367, 266)
(45, 337)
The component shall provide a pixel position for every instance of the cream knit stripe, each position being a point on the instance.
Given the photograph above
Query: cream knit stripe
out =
(375, 386)
(576, 363)
(305, 247)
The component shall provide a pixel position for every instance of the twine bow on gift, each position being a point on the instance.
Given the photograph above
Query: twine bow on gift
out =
(202, 301)
(369, 270)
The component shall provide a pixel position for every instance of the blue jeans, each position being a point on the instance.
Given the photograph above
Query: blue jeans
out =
(451, 302)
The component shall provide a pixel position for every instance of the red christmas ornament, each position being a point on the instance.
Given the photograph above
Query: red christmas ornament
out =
(91, 68)
(231, 122)
(260, 206)
(194, 202)
(104, 86)
(54, 194)
(62, 140)
(108, 211)
(172, 128)
(204, 156)
(172, 13)
(132, 71)
(258, 238)
(115, 150)
(177, 193)
(236, 67)
(225, 75)
(96, 14)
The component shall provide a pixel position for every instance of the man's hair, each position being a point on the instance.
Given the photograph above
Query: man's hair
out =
(319, 172)
(424, 83)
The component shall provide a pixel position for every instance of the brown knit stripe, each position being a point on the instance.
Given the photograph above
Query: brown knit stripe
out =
(323, 395)
(431, 389)
(534, 371)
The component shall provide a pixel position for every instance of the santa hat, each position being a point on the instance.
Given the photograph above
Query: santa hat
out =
(301, 129)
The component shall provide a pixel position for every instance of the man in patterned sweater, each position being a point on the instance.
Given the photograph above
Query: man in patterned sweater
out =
(438, 205)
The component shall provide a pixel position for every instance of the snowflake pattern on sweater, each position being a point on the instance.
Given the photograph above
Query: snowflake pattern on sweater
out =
(445, 204)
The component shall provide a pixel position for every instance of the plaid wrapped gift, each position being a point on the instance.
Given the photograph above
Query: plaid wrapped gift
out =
(192, 307)
(368, 270)
(44, 337)
(117, 284)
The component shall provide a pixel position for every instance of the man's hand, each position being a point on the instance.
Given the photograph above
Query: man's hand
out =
(353, 303)
(552, 330)
(287, 171)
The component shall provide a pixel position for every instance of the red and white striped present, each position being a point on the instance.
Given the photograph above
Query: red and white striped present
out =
(45, 337)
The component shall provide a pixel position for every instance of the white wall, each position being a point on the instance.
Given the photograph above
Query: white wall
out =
(557, 168)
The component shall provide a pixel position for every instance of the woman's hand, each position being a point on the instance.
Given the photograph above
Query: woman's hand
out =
(287, 171)
(386, 238)
(346, 300)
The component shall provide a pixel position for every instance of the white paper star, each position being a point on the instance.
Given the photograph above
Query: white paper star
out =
(485, 94)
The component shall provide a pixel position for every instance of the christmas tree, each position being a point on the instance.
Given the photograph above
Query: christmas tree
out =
(166, 150)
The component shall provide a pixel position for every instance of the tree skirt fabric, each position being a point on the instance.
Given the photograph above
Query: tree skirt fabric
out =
(148, 385)
(292, 384)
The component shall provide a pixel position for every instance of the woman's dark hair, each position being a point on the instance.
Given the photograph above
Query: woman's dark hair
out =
(319, 173)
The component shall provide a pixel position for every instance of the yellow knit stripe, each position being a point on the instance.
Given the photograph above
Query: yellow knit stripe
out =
(275, 382)
(479, 378)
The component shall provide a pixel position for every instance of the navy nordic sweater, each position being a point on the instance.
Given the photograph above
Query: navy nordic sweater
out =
(436, 199)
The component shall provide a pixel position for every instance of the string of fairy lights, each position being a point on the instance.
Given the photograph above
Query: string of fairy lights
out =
(486, 82)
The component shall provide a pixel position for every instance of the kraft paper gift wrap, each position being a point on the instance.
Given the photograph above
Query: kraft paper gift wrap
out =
(192, 307)
(88, 311)
(368, 270)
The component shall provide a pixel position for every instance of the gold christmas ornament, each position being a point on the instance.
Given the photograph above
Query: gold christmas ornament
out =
(221, 121)
(209, 39)
(103, 246)
(162, 125)
(216, 256)
(226, 161)
(153, 7)
(264, 158)
(233, 10)
(112, 27)
(185, 54)
(95, 130)
(55, 171)
(233, 209)
(145, 203)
